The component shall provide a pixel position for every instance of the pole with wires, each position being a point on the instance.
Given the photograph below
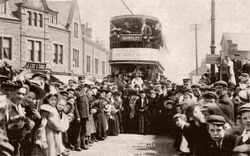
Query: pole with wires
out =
(127, 7)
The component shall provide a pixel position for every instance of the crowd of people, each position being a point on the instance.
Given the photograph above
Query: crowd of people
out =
(44, 118)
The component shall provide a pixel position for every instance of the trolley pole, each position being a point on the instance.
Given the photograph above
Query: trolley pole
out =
(212, 47)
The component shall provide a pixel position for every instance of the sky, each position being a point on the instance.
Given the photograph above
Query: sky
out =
(178, 18)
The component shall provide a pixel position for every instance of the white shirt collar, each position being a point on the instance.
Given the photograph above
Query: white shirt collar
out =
(245, 136)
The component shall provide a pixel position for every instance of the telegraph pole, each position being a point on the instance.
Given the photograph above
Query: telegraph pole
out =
(196, 28)
(196, 49)
(212, 47)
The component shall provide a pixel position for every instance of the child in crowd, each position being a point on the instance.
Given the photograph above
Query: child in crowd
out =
(51, 123)
(181, 143)
(68, 111)
(64, 125)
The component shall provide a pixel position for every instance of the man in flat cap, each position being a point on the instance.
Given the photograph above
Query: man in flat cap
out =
(141, 112)
(187, 83)
(224, 101)
(222, 144)
(196, 91)
(242, 142)
(209, 97)
(82, 104)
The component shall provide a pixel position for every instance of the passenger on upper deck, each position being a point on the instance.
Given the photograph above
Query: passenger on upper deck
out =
(146, 31)
(126, 29)
(156, 35)
(114, 31)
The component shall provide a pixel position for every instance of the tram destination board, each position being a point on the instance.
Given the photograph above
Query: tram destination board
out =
(131, 37)
(34, 65)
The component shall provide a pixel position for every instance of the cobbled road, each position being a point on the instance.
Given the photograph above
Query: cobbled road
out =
(130, 145)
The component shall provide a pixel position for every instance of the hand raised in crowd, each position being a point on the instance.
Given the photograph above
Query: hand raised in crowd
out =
(78, 119)
(36, 114)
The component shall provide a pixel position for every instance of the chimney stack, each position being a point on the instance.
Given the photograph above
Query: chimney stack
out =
(88, 31)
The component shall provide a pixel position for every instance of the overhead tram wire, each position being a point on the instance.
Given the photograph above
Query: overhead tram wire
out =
(127, 7)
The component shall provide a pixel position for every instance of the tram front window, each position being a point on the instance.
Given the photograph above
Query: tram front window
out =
(135, 33)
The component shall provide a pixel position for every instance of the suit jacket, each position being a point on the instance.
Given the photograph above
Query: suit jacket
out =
(237, 66)
(141, 107)
(82, 104)
(146, 31)
(246, 68)
(227, 107)
(198, 139)
(225, 149)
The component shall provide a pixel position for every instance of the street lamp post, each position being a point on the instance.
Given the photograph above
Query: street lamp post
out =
(212, 47)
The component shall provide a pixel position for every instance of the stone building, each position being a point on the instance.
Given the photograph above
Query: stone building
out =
(9, 36)
(47, 34)
(235, 43)
(96, 63)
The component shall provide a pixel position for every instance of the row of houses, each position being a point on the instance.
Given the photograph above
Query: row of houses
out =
(49, 36)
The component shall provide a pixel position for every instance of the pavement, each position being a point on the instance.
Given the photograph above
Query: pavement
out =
(131, 145)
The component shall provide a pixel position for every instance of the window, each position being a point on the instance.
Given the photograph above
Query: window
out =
(3, 7)
(88, 63)
(96, 66)
(76, 30)
(38, 51)
(75, 58)
(35, 19)
(35, 49)
(41, 20)
(31, 50)
(103, 68)
(55, 60)
(5, 48)
(54, 19)
(58, 54)
(29, 18)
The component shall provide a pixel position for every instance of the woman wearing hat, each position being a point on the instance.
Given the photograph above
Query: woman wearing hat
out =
(99, 106)
(32, 108)
(114, 127)
(19, 126)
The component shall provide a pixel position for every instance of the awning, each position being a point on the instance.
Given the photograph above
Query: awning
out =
(88, 81)
(63, 78)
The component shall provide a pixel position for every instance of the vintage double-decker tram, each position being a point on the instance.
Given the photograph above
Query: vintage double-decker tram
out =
(136, 44)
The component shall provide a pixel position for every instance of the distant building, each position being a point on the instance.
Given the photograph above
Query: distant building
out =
(48, 34)
(201, 69)
(232, 43)
(96, 63)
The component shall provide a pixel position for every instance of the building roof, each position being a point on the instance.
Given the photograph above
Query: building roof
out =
(65, 10)
(242, 40)
(14, 5)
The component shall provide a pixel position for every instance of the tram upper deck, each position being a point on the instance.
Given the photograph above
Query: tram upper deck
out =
(135, 31)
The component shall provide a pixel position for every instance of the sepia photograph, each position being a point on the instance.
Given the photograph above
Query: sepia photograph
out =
(124, 78)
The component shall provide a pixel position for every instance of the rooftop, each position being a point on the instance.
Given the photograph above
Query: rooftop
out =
(242, 40)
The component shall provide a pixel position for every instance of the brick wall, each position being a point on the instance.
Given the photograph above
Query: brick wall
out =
(11, 29)
(60, 37)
